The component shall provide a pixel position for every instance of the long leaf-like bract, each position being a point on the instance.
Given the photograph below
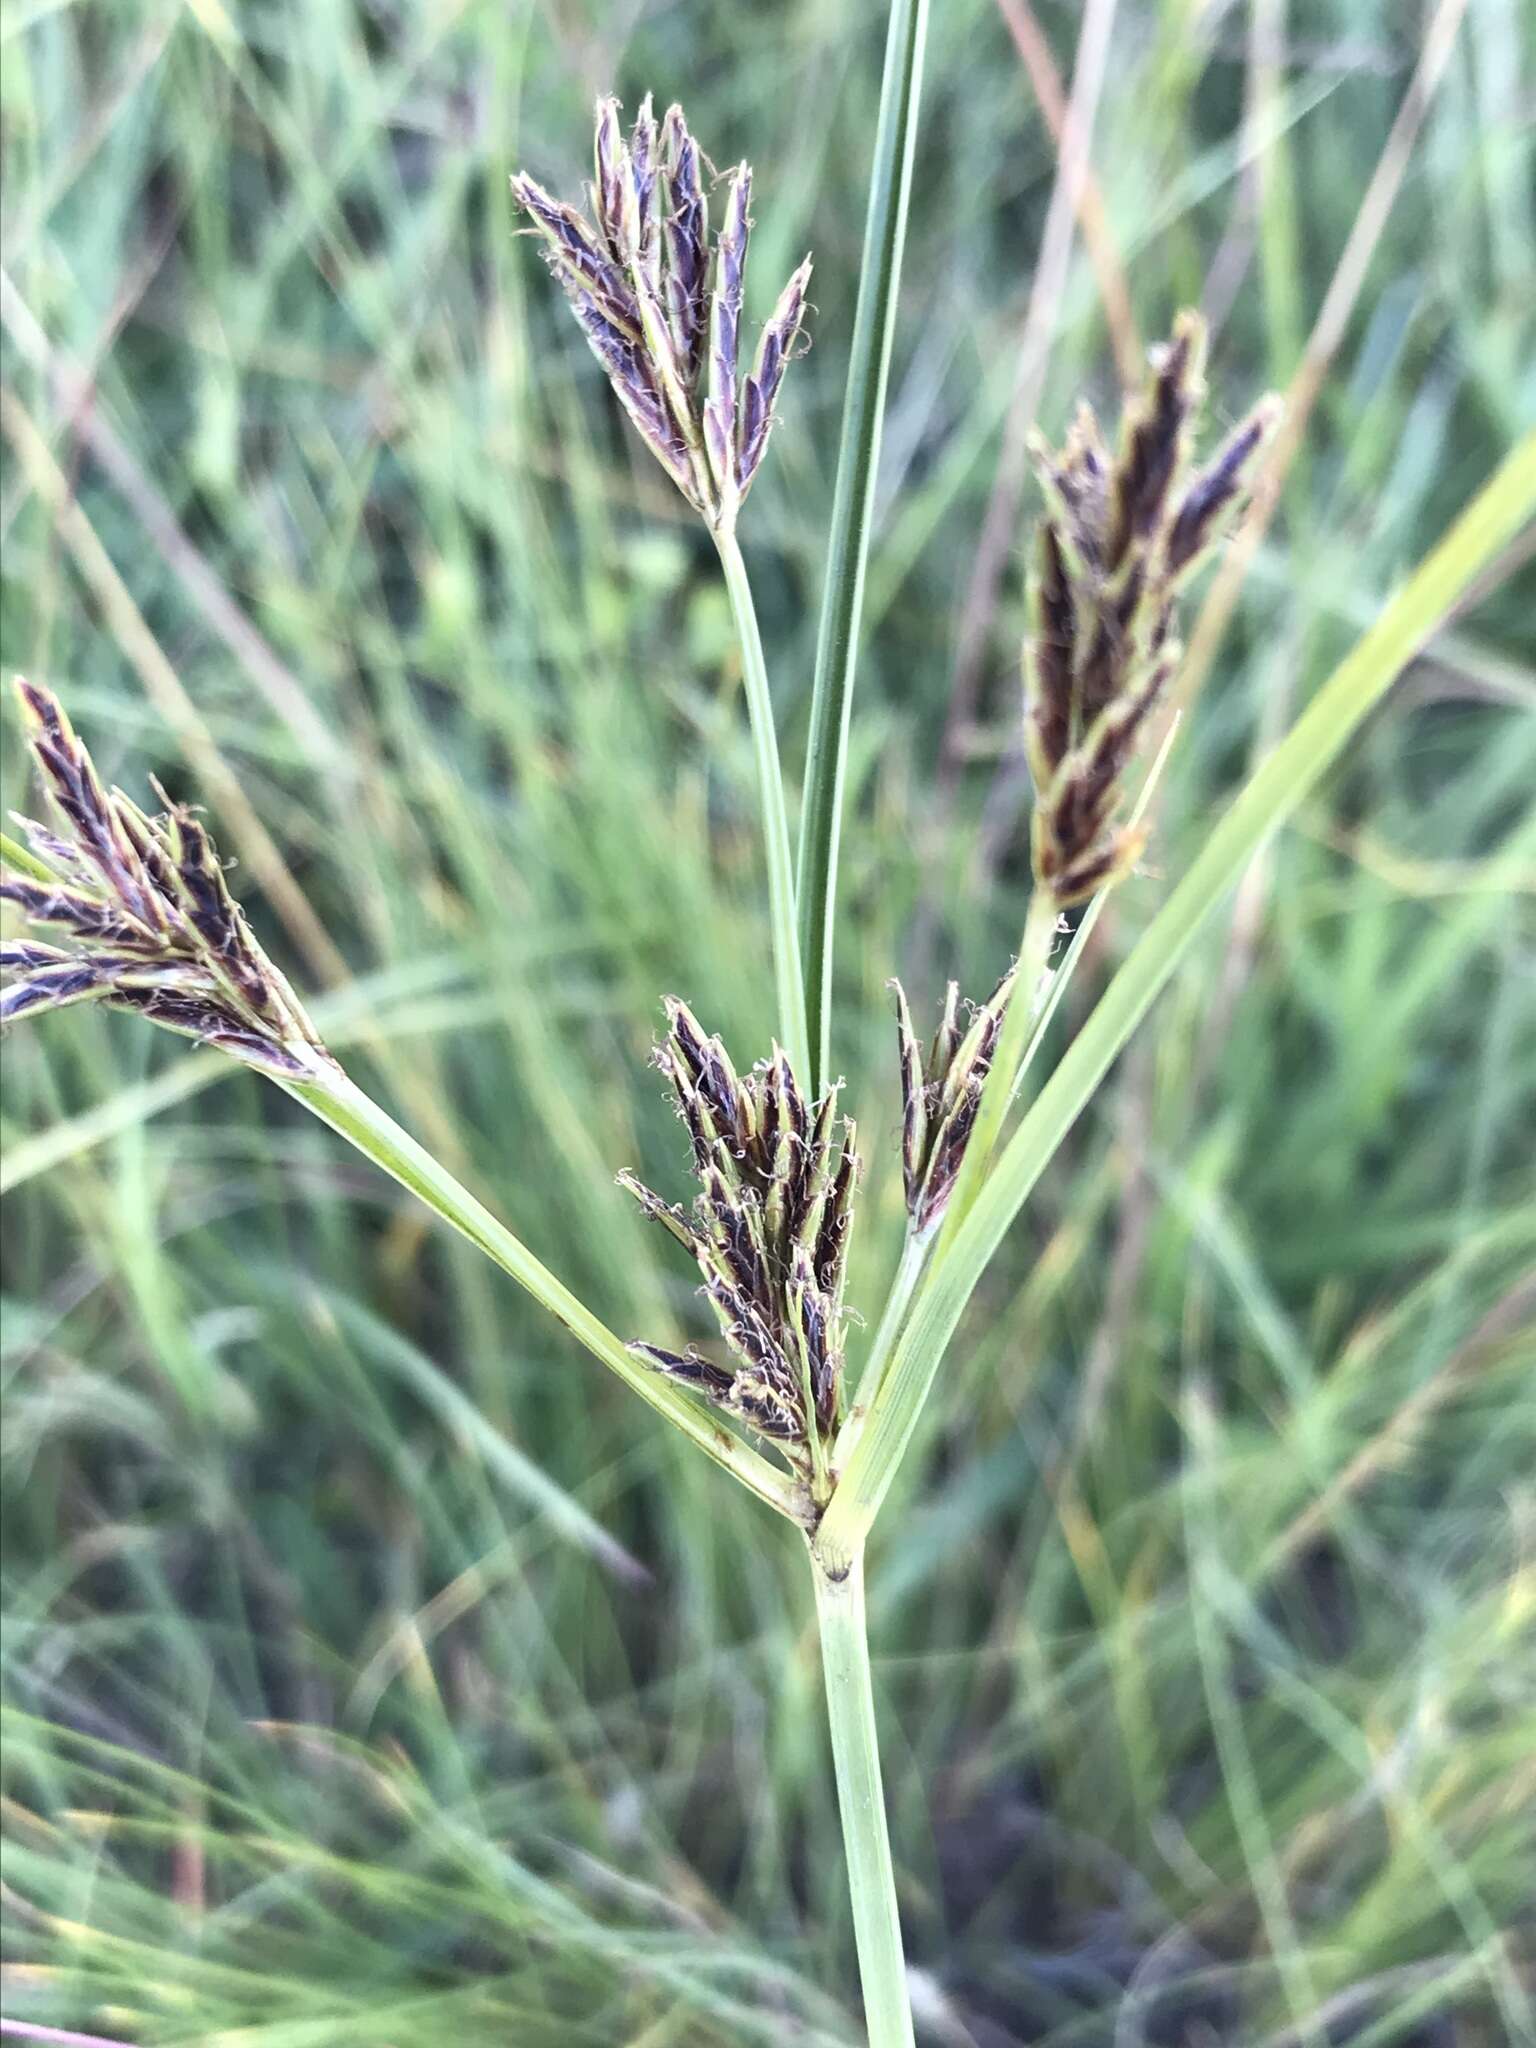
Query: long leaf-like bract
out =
(1278, 787)
(340, 1103)
(842, 600)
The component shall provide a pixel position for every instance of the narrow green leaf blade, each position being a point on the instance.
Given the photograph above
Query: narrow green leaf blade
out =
(858, 458)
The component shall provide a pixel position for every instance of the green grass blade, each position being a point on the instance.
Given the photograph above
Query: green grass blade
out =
(1284, 780)
(852, 506)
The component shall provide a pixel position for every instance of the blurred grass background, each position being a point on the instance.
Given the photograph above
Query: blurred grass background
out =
(376, 1671)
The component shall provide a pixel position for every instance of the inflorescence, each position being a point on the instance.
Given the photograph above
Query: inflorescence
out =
(662, 311)
(941, 1094)
(1118, 539)
(769, 1231)
(147, 919)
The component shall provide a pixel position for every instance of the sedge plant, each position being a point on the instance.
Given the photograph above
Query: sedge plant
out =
(132, 910)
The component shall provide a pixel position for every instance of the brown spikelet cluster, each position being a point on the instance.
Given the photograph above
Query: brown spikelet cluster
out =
(1118, 538)
(769, 1230)
(662, 309)
(941, 1094)
(143, 914)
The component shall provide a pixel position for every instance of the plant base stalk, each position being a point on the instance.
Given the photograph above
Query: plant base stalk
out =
(861, 1803)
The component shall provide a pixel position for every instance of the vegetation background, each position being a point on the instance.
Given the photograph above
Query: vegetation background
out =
(377, 1672)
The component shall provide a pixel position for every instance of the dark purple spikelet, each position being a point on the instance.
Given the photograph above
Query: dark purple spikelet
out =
(642, 214)
(831, 1254)
(608, 180)
(1153, 442)
(665, 1213)
(914, 1100)
(946, 1037)
(1117, 539)
(91, 828)
(1121, 635)
(1050, 653)
(721, 439)
(578, 258)
(1081, 476)
(769, 1232)
(686, 1366)
(685, 226)
(941, 1096)
(47, 984)
(1215, 491)
(773, 354)
(87, 916)
(150, 920)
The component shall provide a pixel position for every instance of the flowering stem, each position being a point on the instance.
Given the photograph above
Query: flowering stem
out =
(913, 1252)
(861, 1802)
(770, 780)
